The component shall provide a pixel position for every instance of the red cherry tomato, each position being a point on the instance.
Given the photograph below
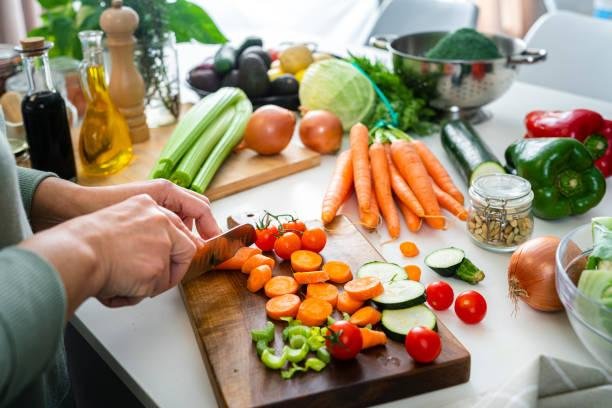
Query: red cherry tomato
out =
(294, 226)
(314, 239)
(440, 295)
(287, 244)
(266, 238)
(471, 307)
(423, 344)
(345, 341)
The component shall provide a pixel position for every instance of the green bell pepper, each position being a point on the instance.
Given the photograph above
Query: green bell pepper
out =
(562, 175)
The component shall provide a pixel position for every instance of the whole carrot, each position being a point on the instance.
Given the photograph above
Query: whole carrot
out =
(382, 188)
(413, 221)
(449, 203)
(401, 189)
(437, 171)
(339, 187)
(411, 167)
(370, 218)
(359, 139)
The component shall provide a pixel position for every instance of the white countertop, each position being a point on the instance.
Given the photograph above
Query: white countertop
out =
(153, 349)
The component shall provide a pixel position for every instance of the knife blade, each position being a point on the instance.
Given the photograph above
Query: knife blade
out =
(219, 249)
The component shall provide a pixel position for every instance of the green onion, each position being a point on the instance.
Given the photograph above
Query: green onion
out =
(230, 139)
(191, 127)
(192, 161)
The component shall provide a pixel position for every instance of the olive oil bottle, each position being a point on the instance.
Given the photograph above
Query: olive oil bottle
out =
(104, 142)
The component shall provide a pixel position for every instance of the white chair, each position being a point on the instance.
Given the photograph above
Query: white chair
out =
(399, 17)
(579, 57)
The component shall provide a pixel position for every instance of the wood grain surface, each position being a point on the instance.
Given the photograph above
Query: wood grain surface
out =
(223, 312)
(241, 171)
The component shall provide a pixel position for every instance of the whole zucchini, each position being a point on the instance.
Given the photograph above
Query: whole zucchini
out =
(468, 153)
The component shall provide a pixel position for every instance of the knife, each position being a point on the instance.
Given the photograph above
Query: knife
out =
(219, 249)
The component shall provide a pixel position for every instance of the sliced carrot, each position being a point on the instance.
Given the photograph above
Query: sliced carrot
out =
(364, 288)
(413, 272)
(239, 258)
(323, 291)
(409, 249)
(366, 315)
(283, 306)
(338, 271)
(314, 312)
(256, 260)
(259, 277)
(413, 221)
(304, 278)
(281, 285)
(346, 303)
(371, 338)
(305, 261)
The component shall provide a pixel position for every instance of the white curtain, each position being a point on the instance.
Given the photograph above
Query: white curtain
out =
(17, 17)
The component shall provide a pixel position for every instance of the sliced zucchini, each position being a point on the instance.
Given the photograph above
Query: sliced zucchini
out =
(401, 294)
(486, 168)
(445, 261)
(397, 323)
(384, 271)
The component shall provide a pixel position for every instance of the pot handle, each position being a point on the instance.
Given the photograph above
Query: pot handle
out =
(529, 56)
(381, 41)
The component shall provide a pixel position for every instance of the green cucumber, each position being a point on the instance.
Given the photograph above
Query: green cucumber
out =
(401, 294)
(451, 262)
(468, 153)
(224, 60)
(250, 41)
(384, 271)
(397, 323)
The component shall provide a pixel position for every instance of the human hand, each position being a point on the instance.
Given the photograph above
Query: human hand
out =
(120, 254)
(75, 200)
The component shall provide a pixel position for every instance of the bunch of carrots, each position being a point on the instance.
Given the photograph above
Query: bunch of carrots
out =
(388, 166)
(321, 296)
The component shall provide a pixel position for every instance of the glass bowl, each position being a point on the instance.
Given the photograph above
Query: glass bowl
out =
(591, 320)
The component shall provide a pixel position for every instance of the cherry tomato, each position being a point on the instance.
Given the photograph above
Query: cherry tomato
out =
(314, 239)
(423, 344)
(345, 341)
(294, 226)
(287, 244)
(471, 307)
(440, 295)
(266, 238)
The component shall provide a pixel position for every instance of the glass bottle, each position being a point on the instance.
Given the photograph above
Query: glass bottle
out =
(499, 217)
(44, 113)
(104, 142)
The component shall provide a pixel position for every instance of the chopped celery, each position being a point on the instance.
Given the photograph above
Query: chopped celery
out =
(297, 341)
(228, 141)
(296, 355)
(194, 158)
(266, 334)
(262, 345)
(323, 355)
(273, 361)
(315, 364)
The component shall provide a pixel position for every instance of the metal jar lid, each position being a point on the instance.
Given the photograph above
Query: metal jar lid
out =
(501, 191)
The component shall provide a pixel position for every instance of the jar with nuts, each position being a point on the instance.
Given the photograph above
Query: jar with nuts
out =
(499, 217)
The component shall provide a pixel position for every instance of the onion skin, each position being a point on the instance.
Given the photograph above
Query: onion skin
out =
(269, 129)
(531, 274)
(321, 131)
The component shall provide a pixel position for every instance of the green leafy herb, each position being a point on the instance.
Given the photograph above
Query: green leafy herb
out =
(411, 106)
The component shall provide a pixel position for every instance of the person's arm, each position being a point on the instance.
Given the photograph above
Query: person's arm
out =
(56, 200)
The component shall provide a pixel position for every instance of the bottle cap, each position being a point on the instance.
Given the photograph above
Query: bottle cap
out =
(33, 46)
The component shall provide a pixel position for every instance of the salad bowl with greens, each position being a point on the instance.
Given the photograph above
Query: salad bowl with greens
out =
(584, 284)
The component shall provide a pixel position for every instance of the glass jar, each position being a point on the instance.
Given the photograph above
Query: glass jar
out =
(499, 217)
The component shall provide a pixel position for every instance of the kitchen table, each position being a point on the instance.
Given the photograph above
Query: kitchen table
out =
(152, 347)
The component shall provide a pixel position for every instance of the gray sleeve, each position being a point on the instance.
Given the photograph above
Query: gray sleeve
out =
(28, 182)
(32, 312)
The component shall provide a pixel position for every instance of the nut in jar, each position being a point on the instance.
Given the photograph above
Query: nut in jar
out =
(500, 216)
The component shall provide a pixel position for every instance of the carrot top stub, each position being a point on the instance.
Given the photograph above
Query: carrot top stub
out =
(409, 249)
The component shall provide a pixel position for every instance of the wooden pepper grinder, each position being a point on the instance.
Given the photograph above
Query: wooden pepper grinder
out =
(127, 89)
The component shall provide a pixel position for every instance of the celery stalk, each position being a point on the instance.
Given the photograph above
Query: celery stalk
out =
(191, 126)
(230, 139)
(194, 158)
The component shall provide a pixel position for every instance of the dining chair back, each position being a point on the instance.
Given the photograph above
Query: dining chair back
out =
(399, 17)
(579, 58)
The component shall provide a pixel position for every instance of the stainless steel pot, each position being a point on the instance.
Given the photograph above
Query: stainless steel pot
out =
(461, 87)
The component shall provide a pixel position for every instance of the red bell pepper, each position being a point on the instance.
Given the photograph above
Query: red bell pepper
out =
(587, 126)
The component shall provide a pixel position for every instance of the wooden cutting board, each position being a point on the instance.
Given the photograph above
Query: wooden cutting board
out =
(241, 171)
(223, 312)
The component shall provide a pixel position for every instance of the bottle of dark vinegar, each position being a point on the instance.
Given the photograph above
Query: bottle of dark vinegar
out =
(44, 113)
